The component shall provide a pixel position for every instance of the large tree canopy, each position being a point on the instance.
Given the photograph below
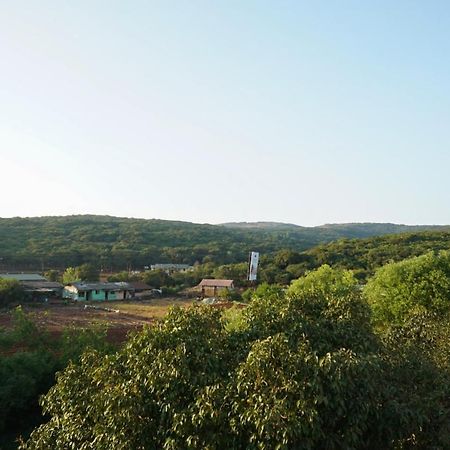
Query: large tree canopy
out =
(419, 283)
(85, 272)
(300, 370)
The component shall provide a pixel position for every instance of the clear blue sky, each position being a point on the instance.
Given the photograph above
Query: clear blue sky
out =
(213, 111)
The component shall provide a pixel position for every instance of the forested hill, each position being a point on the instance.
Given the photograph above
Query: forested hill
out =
(45, 242)
(366, 255)
(339, 230)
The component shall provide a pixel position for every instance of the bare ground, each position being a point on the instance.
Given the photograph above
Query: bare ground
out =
(58, 315)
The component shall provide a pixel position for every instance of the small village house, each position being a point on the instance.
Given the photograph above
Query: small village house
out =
(99, 291)
(35, 286)
(171, 268)
(141, 289)
(23, 277)
(212, 288)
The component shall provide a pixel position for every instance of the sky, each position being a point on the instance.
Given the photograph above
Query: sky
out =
(218, 111)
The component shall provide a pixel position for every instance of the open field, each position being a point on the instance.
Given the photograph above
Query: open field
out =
(54, 317)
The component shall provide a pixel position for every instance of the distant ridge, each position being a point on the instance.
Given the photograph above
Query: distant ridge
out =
(365, 229)
(261, 225)
(113, 242)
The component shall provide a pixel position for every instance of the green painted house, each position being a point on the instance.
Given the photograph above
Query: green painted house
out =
(98, 291)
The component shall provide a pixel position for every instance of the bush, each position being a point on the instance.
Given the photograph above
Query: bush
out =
(400, 289)
(29, 359)
(75, 341)
(10, 292)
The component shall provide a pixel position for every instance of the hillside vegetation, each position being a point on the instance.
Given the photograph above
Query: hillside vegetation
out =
(325, 363)
(366, 255)
(362, 256)
(111, 242)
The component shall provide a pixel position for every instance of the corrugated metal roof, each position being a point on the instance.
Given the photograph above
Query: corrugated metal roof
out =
(215, 283)
(139, 286)
(33, 285)
(23, 276)
(120, 285)
(170, 266)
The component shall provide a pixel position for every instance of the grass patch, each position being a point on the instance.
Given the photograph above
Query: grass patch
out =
(148, 309)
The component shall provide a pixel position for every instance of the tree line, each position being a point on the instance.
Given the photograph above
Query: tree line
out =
(119, 243)
(362, 256)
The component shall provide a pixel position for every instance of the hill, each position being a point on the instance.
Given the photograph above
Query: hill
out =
(365, 255)
(356, 230)
(112, 242)
(262, 225)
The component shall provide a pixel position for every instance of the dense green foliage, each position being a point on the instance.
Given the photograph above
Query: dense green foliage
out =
(323, 281)
(85, 272)
(417, 284)
(296, 369)
(417, 360)
(119, 243)
(198, 380)
(364, 256)
(29, 359)
(10, 292)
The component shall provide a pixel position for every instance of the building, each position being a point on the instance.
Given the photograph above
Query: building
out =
(43, 289)
(36, 286)
(98, 291)
(142, 290)
(211, 287)
(22, 277)
(170, 268)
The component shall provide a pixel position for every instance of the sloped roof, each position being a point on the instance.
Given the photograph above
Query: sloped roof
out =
(23, 276)
(120, 285)
(35, 285)
(139, 286)
(206, 282)
(170, 266)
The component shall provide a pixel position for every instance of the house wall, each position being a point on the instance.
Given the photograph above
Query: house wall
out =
(73, 293)
(210, 291)
(101, 295)
(123, 294)
(114, 295)
(110, 295)
(95, 295)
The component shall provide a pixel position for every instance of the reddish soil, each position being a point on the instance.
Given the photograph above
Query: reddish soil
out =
(56, 317)
(59, 315)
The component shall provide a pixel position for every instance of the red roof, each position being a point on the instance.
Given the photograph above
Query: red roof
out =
(215, 283)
